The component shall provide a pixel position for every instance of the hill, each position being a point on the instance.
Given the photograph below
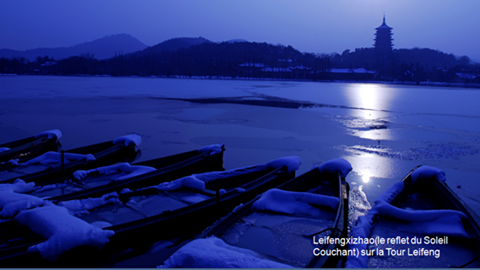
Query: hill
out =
(101, 48)
(172, 45)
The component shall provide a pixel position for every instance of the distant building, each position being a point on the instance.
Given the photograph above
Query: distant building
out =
(383, 38)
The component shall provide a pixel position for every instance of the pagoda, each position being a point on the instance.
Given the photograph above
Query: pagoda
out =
(383, 38)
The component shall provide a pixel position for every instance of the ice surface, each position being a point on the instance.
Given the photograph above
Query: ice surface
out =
(358, 205)
(289, 202)
(428, 172)
(129, 140)
(292, 163)
(61, 230)
(336, 165)
(131, 171)
(54, 133)
(214, 253)
(214, 149)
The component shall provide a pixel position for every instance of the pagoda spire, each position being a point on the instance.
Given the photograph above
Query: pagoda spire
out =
(383, 37)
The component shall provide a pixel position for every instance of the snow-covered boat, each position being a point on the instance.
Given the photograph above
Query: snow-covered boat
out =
(31, 146)
(419, 222)
(98, 181)
(127, 224)
(61, 165)
(285, 227)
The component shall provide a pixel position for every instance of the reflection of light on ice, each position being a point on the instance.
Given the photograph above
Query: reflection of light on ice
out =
(367, 96)
(358, 205)
(366, 178)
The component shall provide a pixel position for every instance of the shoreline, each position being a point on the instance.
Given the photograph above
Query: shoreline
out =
(222, 78)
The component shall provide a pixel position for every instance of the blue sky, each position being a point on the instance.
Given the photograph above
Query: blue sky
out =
(318, 26)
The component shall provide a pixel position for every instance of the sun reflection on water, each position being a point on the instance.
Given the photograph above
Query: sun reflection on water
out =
(365, 178)
(371, 98)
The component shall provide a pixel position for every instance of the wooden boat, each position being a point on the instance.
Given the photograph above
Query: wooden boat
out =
(103, 180)
(54, 165)
(427, 225)
(31, 146)
(278, 229)
(133, 220)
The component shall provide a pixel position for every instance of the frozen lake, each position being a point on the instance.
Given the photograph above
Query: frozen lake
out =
(382, 130)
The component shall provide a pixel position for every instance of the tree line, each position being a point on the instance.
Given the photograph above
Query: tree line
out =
(258, 60)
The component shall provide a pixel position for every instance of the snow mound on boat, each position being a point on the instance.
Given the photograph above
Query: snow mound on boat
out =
(390, 193)
(198, 181)
(289, 202)
(187, 182)
(292, 163)
(54, 158)
(131, 139)
(18, 186)
(62, 231)
(214, 149)
(131, 171)
(214, 253)
(83, 205)
(336, 165)
(426, 172)
(11, 202)
(422, 222)
(50, 134)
